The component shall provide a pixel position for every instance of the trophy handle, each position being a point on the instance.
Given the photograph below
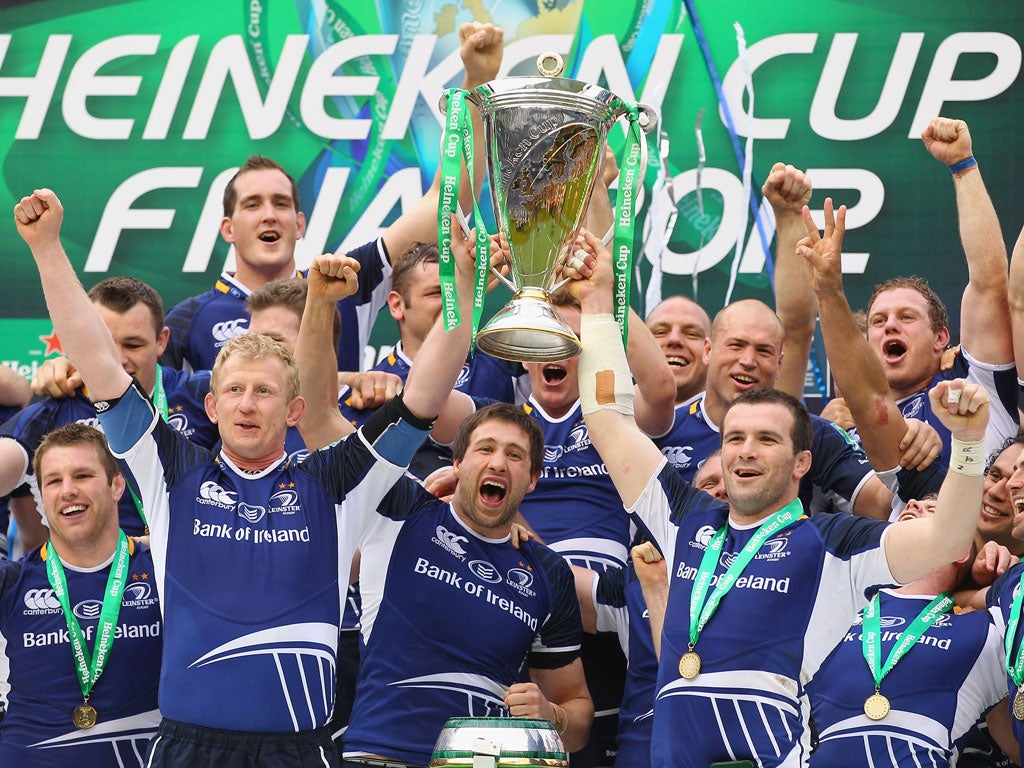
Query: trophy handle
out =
(648, 117)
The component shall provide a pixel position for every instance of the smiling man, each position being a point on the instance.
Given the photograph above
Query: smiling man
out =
(759, 592)
(247, 545)
(53, 607)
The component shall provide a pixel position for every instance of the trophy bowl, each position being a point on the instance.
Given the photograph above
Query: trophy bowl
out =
(545, 138)
(498, 742)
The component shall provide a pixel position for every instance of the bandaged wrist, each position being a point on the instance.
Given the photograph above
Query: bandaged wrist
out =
(560, 719)
(605, 381)
(967, 458)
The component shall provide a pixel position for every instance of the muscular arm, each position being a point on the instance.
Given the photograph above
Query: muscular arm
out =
(631, 457)
(1016, 299)
(854, 365)
(652, 572)
(13, 465)
(567, 687)
(15, 391)
(914, 548)
(481, 50)
(788, 190)
(984, 322)
(655, 386)
(83, 334)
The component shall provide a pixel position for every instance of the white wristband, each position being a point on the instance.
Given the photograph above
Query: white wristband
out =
(967, 458)
(605, 380)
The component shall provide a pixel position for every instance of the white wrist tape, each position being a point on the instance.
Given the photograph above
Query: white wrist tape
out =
(967, 458)
(605, 381)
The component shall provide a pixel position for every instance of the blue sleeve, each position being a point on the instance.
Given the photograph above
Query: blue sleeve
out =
(563, 628)
(838, 464)
(1007, 582)
(611, 587)
(846, 535)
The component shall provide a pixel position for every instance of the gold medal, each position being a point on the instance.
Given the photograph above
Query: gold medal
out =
(1018, 705)
(84, 716)
(876, 706)
(689, 665)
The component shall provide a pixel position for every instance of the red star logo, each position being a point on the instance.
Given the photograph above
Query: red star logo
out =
(52, 344)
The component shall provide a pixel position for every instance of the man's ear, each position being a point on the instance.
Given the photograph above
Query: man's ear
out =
(227, 231)
(210, 406)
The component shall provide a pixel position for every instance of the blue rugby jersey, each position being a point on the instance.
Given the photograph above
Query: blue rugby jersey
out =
(201, 325)
(937, 691)
(575, 508)
(999, 599)
(448, 618)
(38, 679)
(185, 413)
(248, 565)
(770, 633)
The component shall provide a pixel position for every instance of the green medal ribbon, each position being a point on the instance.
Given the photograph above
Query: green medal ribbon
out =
(1014, 661)
(630, 180)
(871, 637)
(456, 147)
(702, 607)
(160, 402)
(89, 671)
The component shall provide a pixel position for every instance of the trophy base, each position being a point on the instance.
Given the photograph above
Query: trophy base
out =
(529, 330)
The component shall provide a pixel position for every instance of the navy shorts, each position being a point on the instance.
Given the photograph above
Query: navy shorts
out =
(180, 745)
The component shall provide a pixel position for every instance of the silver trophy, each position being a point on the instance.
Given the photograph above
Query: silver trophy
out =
(545, 138)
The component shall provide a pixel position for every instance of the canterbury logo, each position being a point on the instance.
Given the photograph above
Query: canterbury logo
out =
(41, 599)
(678, 455)
(229, 329)
(213, 492)
(450, 540)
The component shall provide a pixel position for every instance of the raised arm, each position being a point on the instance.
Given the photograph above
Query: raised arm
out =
(1016, 298)
(606, 386)
(655, 385)
(984, 322)
(915, 548)
(15, 391)
(83, 334)
(440, 359)
(331, 278)
(854, 365)
(481, 49)
(788, 190)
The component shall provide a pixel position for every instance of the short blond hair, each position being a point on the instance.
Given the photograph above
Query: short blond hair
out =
(255, 346)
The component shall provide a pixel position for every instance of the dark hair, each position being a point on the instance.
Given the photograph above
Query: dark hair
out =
(801, 433)
(1017, 439)
(74, 434)
(256, 163)
(937, 313)
(120, 294)
(289, 293)
(401, 272)
(510, 414)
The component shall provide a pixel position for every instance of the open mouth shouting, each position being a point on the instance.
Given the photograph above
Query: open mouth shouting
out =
(893, 351)
(270, 236)
(553, 374)
(493, 492)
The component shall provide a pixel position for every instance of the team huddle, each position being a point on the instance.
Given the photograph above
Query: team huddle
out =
(236, 548)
